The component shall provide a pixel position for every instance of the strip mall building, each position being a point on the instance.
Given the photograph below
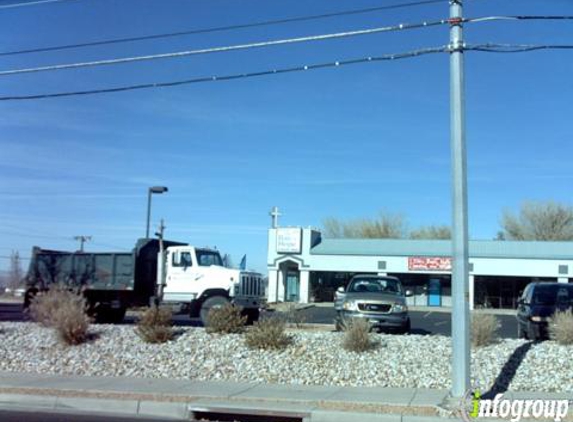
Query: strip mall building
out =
(305, 267)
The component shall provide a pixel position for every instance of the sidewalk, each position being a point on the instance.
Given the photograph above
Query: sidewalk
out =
(179, 399)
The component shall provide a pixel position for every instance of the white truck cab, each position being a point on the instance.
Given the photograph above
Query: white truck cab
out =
(196, 279)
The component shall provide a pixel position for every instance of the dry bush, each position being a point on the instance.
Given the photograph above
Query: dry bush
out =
(154, 325)
(357, 336)
(484, 329)
(561, 327)
(268, 333)
(65, 311)
(226, 320)
(44, 305)
(293, 316)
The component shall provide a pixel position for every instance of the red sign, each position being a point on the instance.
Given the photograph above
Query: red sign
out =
(437, 263)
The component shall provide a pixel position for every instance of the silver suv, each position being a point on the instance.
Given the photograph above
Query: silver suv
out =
(379, 299)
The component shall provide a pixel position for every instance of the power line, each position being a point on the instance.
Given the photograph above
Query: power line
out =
(491, 48)
(223, 28)
(261, 44)
(30, 3)
(387, 57)
(516, 48)
(518, 18)
(223, 49)
(9, 257)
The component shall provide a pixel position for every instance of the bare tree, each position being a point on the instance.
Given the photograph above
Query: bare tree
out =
(386, 226)
(431, 232)
(15, 273)
(538, 221)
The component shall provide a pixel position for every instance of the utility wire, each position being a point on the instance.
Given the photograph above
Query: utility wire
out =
(387, 57)
(491, 48)
(516, 48)
(261, 44)
(519, 18)
(30, 3)
(222, 28)
(19, 257)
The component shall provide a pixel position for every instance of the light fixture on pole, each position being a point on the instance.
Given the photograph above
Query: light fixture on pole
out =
(151, 191)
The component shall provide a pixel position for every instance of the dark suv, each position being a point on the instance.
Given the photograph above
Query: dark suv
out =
(381, 300)
(539, 301)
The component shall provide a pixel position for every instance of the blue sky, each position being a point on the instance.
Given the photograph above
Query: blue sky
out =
(344, 142)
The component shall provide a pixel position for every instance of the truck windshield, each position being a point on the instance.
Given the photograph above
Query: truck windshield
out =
(551, 295)
(375, 285)
(206, 257)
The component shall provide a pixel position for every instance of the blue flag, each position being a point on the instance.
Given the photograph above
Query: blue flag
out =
(243, 264)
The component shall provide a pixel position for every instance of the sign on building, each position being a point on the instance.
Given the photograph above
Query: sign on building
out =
(289, 240)
(424, 263)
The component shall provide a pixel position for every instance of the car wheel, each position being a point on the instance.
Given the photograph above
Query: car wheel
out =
(520, 331)
(532, 333)
(405, 329)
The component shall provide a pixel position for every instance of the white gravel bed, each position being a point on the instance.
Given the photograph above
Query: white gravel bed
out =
(315, 358)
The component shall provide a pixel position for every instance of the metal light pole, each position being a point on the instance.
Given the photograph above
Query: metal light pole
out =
(152, 190)
(460, 293)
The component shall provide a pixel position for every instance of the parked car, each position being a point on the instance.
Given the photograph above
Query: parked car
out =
(379, 299)
(539, 301)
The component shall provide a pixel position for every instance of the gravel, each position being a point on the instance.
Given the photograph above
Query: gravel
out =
(314, 358)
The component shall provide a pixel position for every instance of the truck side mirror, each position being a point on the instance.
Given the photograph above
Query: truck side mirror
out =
(340, 289)
(177, 258)
(409, 293)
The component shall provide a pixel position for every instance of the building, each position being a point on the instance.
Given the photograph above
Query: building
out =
(305, 267)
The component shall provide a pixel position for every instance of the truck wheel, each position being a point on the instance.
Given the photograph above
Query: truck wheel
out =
(252, 315)
(212, 302)
(28, 297)
(116, 315)
(106, 315)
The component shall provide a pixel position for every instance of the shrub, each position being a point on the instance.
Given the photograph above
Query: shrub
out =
(357, 336)
(561, 327)
(293, 316)
(268, 333)
(63, 310)
(154, 325)
(226, 320)
(484, 329)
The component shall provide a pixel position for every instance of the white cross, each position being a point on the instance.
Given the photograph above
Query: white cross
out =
(275, 215)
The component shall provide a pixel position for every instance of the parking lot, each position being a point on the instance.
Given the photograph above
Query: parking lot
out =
(423, 322)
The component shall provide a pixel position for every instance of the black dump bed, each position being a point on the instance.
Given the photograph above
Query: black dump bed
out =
(134, 271)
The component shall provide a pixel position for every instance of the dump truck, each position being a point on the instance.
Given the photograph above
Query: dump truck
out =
(189, 279)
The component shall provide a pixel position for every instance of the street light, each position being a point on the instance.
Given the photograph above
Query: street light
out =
(152, 190)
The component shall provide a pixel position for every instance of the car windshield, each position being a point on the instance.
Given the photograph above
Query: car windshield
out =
(553, 295)
(375, 285)
(206, 258)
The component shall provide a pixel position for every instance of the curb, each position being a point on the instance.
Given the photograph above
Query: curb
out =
(188, 408)
(123, 407)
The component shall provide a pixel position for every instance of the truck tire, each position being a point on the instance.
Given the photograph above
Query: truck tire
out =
(29, 297)
(106, 315)
(212, 302)
(252, 315)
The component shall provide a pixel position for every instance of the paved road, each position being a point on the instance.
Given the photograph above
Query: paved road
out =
(422, 322)
(426, 322)
(10, 311)
(35, 416)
